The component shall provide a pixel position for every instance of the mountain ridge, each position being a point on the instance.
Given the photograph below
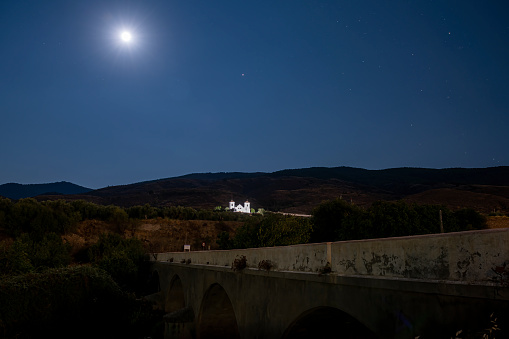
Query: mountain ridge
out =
(19, 191)
(300, 190)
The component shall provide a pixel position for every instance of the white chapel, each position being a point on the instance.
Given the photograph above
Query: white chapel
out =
(243, 209)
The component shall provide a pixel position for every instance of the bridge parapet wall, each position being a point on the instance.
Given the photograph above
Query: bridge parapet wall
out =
(471, 257)
(303, 258)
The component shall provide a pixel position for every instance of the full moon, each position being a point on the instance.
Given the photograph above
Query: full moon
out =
(126, 36)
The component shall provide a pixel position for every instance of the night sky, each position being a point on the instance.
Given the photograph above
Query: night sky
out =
(213, 86)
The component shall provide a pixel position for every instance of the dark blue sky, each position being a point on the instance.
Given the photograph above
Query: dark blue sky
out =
(210, 86)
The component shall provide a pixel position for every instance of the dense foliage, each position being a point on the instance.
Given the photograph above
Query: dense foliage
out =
(268, 230)
(25, 254)
(338, 220)
(58, 216)
(41, 292)
(183, 213)
(73, 302)
(122, 258)
(37, 218)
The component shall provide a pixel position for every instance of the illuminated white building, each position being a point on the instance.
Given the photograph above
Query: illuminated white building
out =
(243, 209)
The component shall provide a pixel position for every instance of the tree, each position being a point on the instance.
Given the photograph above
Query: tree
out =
(223, 241)
(283, 230)
(328, 218)
(392, 219)
(358, 225)
(122, 258)
(5, 211)
(64, 215)
(87, 210)
(429, 219)
(246, 236)
(49, 252)
(469, 219)
(118, 217)
(14, 258)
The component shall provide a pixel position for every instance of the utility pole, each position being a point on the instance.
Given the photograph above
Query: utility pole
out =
(441, 223)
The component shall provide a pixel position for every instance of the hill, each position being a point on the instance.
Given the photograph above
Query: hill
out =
(19, 191)
(300, 190)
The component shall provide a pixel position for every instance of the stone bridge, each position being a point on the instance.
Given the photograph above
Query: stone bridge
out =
(428, 286)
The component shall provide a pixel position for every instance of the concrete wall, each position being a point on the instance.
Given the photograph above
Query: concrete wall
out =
(472, 257)
(305, 258)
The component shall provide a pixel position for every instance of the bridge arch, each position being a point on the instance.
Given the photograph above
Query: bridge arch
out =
(324, 321)
(217, 317)
(175, 299)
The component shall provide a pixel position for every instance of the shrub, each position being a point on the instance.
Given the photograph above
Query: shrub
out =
(26, 254)
(469, 219)
(283, 230)
(239, 263)
(122, 258)
(224, 241)
(265, 265)
(30, 216)
(337, 220)
(36, 304)
(328, 218)
(246, 236)
(14, 258)
(51, 251)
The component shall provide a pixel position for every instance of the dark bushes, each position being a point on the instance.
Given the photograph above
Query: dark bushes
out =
(269, 230)
(338, 220)
(58, 216)
(76, 302)
(25, 254)
(30, 216)
(121, 258)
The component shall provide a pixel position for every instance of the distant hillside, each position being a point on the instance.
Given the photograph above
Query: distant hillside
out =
(403, 176)
(19, 191)
(301, 190)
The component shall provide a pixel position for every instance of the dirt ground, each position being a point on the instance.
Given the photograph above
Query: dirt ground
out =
(498, 222)
(164, 235)
(158, 235)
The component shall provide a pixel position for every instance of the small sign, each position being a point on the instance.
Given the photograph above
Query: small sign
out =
(187, 248)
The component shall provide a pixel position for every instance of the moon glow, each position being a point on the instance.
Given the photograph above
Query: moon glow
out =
(126, 36)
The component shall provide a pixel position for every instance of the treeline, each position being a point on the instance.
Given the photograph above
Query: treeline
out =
(183, 213)
(36, 229)
(60, 217)
(337, 220)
